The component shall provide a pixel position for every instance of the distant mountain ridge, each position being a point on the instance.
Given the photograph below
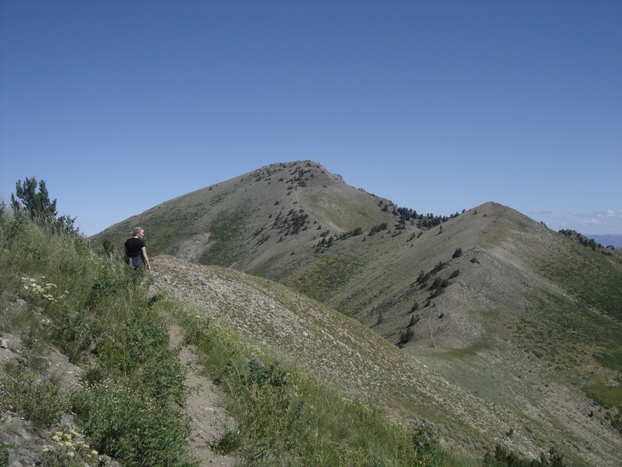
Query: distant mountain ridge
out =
(491, 300)
(608, 240)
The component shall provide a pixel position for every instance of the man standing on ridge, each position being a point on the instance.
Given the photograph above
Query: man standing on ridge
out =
(136, 251)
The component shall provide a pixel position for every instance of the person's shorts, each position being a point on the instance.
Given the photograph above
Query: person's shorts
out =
(136, 261)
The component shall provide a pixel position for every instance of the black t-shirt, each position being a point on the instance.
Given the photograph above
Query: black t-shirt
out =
(133, 246)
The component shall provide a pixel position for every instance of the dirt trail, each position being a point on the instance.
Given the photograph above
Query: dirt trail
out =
(209, 420)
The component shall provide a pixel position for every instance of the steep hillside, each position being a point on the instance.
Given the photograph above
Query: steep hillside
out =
(520, 320)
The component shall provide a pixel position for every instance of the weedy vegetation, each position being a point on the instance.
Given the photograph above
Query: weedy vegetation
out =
(129, 404)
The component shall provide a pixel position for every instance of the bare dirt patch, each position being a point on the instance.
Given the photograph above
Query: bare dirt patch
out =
(208, 418)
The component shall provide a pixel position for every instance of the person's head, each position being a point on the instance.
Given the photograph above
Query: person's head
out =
(138, 232)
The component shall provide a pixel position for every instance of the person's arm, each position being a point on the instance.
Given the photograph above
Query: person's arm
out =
(144, 253)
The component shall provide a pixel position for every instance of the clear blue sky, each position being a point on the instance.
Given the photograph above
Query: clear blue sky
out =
(437, 105)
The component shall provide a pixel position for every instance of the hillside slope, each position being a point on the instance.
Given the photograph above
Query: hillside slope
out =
(518, 317)
(341, 352)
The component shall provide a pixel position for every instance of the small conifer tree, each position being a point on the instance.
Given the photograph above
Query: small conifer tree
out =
(38, 205)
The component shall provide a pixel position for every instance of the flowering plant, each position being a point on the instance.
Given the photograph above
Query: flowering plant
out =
(70, 448)
(42, 292)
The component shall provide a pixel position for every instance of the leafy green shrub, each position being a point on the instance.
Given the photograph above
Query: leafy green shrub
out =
(198, 331)
(107, 249)
(439, 267)
(457, 253)
(438, 287)
(232, 441)
(77, 332)
(138, 339)
(262, 375)
(132, 426)
(436, 284)
(502, 457)
(131, 402)
(406, 336)
(276, 422)
(164, 377)
(37, 399)
(422, 278)
(105, 288)
(378, 228)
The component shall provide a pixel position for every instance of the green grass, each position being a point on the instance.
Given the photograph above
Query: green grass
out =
(327, 275)
(561, 328)
(575, 337)
(611, 359)
(607, 396)
(37, 399)
(590, 277)
(226, 232)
